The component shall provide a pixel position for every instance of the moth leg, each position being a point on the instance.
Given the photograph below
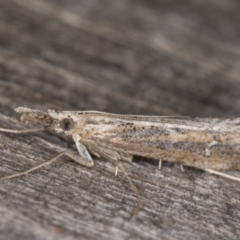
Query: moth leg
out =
(51, 160)
(116, 171)
(79, 159)
(160, 164)
(135, 190)
(222, 174)
(133, 187)
(114, 157)
(85, 155)
(182, 168)
(126, 157)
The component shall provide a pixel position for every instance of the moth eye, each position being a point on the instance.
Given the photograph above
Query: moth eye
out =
(66, 124)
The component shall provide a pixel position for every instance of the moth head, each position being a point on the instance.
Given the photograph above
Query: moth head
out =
(65, 122)
(53, 120)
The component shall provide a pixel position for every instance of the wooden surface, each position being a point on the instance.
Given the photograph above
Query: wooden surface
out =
(150, 57)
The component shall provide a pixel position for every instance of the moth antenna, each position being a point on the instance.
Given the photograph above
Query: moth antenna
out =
(222, 174)
(22, 131)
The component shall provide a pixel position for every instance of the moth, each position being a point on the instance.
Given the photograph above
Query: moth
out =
(210, 144)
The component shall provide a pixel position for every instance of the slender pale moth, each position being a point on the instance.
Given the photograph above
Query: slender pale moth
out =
(210, 144)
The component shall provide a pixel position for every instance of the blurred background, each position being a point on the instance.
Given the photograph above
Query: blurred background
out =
(152, 57)
(136, 57)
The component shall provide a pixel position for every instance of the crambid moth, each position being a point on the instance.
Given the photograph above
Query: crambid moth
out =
(210, 144)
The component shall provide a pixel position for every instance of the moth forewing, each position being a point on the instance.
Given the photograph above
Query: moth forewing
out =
(201, 143)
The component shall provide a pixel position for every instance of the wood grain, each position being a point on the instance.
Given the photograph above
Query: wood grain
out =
(130, 57)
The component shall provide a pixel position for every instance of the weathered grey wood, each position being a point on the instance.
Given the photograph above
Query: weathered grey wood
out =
(129, 57)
